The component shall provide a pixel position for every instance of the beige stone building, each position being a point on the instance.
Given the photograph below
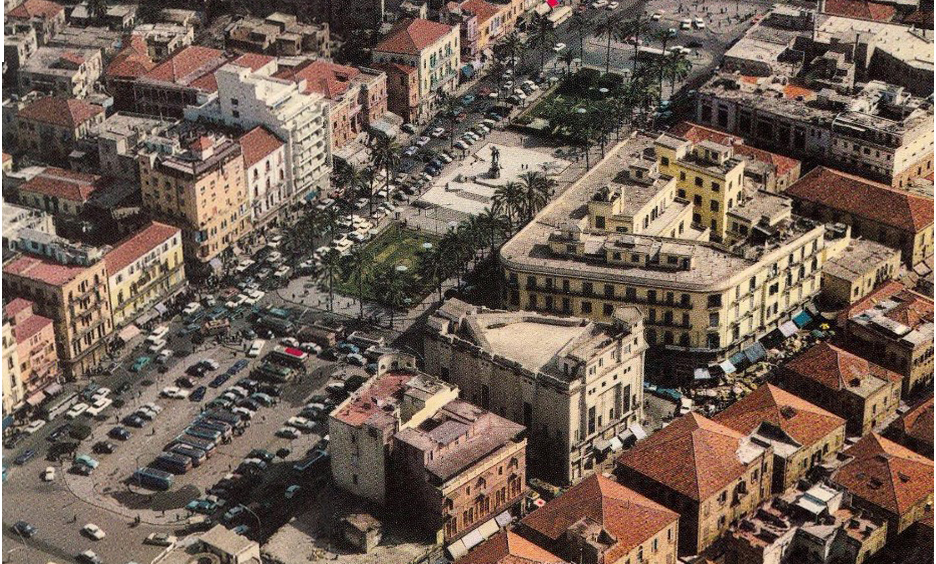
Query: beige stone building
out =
(13, 393)
(59, 71)
(574, 384)
(857, 270)
(51, 126)
(707, 473)
(196, 182)
(35, 349)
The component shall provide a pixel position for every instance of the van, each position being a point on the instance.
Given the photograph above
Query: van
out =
(164, 356)
(256, 348)
(158, 333)
(157, 345)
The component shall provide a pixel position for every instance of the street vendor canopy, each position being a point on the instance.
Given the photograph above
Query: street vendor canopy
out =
(802, 318)
(755, 352)
(788, 328)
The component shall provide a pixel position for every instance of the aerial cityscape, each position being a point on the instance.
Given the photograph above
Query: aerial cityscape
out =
(468, 282)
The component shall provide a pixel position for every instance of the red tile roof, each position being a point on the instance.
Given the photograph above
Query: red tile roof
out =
(137, 245)
(861, 9)
(628, 516)
(693, 455)
(508, 548)
(835, 368)
(918, 422)
(253, 61)
(256, 144)
(35, 8)
(861, 197)
(781, 163)
(886, 474)
(411, 36)
(923, 19)
(482, 9)
(132, 61)
(390, 68)
(61, 183)
(802, 421)
(696, 133)
(793, 91)
(16, 306)
(25, 329)
(331, 80)
(191, 67)
(362, 406)
(43, 270)
(63, 112)
(914, 309)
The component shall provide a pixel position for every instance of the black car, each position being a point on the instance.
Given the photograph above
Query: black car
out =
(104, 447)
(219, 380)
(248, 403)
(262, 454)
(197, 370)
(119, 433)
(133, 420)
(88, 557)
(184, 382)
(81, 470)
(15, 439)
(198, 393)
(24, 529)
(24, 457)
(122, 389)
(58, 432)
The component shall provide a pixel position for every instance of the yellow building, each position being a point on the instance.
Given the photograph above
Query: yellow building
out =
(200, 187)
(708, 175)
(859, 268)
(13, 391)
(143, 270)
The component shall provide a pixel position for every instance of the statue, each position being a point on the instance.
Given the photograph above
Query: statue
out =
(495, 163)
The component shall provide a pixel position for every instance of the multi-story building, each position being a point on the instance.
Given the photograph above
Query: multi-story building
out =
(891, 482)
(101, 39)
(15, 219)
(402, 89)
(183, 79)
(114, 144)
(357, 97)
(65, 72)
(265, 168)
(573, 383)
(894, 326)
(13, 393)
(914, 429)
(458, 469)
(129, 64)
(482, 23)
(195, 181)
(162, 39)
(802, 435)
(508, 548)
(248, 94)
(46, 17)
(58, 191)
(51, 126)
(600, 521)
(849, 386)
(707, 473)
(700, 300)
(19, 44)
(881, 133)
(68, 284)
(896, 218)
(35, 349)
(279, 34)
(857, 270)
(433, 50)
(143, 270)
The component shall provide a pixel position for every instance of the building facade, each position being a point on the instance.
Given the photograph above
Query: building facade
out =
(59, 71)
(265, 170)
(59, 192)
(857, 270)
(51, 126)
(184, 79)
(35, 349)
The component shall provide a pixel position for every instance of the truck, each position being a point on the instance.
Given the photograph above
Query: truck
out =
(216, 327)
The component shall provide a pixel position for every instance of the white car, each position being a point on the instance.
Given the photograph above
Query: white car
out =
(254, 296)
(76, 410)
(152, 407)
(172, 392)
(358, 237)
(438, 132)
(191, 308)
(422, 141)
(699, 23)
(559, 47)
(311, 348)
(35, 426)
(93, 531)
(289, 342)
(211, 363)
(99, 405)
(613, 6)
(461, 145)
(274, 241)
(160, 539)
(48, 474)
(599, 3)
(300, 423)
(657, 16)
(256, 348)
(288, 433)
(410, 151)
(685, 23)
(529, 84)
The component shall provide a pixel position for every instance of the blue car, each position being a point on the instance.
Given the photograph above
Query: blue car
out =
(198, 393)
(467, 99)
(238, 366)
(219, 380)
(349, 348)
(25, 457)
(119, 433)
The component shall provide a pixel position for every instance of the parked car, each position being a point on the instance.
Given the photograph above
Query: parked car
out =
(24, 457)
(287, 433)
(24, 529)
(160, 539)
(93, 531)
(119, 433)
(48, 474)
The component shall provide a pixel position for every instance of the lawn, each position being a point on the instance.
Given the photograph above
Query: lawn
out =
(396, 246)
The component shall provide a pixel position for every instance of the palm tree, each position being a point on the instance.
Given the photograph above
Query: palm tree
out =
(541, 36)
(678, 67)
(635, 28)
(356, 267)
(390, 285)
(509, 199)
(567, 57)
(331, 269)
(432, 267)
(537, 190)
(493, 226)
(609, 27)
(498, 66)
(581, 25)
(663, 37)
(447, 109)
(385, 153)
(512, 48)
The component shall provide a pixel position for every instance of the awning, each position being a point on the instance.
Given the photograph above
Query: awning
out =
(472, 539)
(52, 389)
(616, 444)
(802, 318)
(727, 367)
(488, 529)
(788, 328)
(161, 309)
(503, 519)
(468, 71)
(36, 398)
(702, 374)
(457, 549)
(739, 360)
(637, 430)
(128, 332)
(542, 9)
(755, 352)
(146, 318)
(601, 445)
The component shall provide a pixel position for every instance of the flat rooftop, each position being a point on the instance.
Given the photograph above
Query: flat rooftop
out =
(860, 257)
(534, 343)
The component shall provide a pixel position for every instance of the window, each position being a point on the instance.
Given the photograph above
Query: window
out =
(599, 222)
(714, 205)
(698, 181)
(586, 307)
(716, 186)
(697, 200)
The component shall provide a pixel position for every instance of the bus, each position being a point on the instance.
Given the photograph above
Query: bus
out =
(196, 454)
(62, 406)
(195, 442)
(153, 478)
(203, 433)
(289, 356)
(218, 426)
(275, 373)
(174, 463)
(227, 417)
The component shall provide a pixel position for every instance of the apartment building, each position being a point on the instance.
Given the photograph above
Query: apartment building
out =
(162, 39)
(894, 326)
(481, 23)
(183, 79)
(433, 50)
(896, 218)
(861, 392)
(116, 141)
(19, 44)
(195, 181)
(58, 191)
(51, 126)
(914, 429)
(130, 63)
(265, 170)
(279, 34)
(249, 94)
(46, 17)
(891, 482)
(575, 384)
(802, 435)
(35, 349)
(357, 97)
(600, 521)
(59, 71)
(857, 270)
(143, 270)
(68, 284)
(700, 300)
(15, 219)
(707, 473)
(13, 393)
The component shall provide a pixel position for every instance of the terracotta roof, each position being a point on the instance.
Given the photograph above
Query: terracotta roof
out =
(793, 91)
(132, 61)
(137, 245)
(922, 18)
(331, 80)
(782, 164)
(802, 421)
(72, 58)
(861, 9)
(63, 112)
(390, 68)
(253, 61)
(886, 474)
(864, 198)
(835, 368)
(25, 329)
(625, 514)
(43, 270)
(16, 306)
(482, 9)
(914, 306)
(35, 8)
(508, 548)
(918, 422)
(257, 144)
(411, 36)
(696, 133)
(693, 455)
(192, 67)
(61, 183)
